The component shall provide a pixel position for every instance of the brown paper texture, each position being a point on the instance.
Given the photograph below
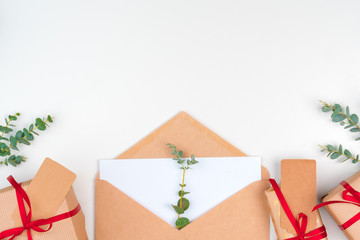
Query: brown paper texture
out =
(243, 216)
(69, 229)
(342, 212)
(47, 190)
(275, 207)
(298, 185)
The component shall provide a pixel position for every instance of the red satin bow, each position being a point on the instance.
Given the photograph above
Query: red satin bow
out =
(301, 224)
(352, 197)
(29, 225)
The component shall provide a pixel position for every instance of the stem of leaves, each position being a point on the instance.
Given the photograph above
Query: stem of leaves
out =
(335, 153)
(183, 204)
(7, 144)
(347, 119)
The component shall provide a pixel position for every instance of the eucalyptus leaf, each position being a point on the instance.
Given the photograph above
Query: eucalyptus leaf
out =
(5, 129)
(182, 222)
(338, 118)
(355, 129)
(347, 153)
(354, 118)
(334, 155)
(40, 124)
(185, 204)
(326, 109)
(178, 209)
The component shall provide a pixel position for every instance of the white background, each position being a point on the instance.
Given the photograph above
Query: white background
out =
(113, 71)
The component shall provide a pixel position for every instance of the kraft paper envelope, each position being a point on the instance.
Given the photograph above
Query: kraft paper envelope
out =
(244, 215)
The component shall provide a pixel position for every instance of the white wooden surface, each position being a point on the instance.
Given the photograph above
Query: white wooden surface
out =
(113, 71)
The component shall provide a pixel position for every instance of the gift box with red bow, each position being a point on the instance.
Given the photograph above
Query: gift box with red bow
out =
(343, 204)
(291, 204)
(44, 208)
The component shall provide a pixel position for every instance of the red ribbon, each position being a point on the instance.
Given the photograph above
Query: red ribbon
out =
(29, 225)
(352, 197)
(301, 224)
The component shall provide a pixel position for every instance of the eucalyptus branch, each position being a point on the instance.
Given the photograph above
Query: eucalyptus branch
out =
(350, 121)
(335, 153)
(23, 137)
(183, 204)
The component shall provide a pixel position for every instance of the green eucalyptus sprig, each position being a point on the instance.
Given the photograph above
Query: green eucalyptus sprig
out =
(335, 153)
(349, 121)
(25, 136)
(183, 204)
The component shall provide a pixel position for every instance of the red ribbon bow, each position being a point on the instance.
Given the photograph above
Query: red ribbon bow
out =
(29, 225)
(352, 197)
(301, 224)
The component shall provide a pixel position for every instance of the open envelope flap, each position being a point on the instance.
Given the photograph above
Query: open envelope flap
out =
(242, 216)
(120, 217)
(194, 138)
(232, 220)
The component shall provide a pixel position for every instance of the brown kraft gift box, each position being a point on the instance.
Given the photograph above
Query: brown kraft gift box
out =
(298, 185)
(343, 212)
(50, 194)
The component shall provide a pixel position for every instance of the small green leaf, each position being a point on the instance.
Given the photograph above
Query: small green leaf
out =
(347, 111)
(355, 130)
(13, 142)
(185, 204)
(180, 153)
(357, 139)
(182, 193)
(40, 124)
(349, 126)
(4, 149)
(178, 209)
(5, 129)
(29, 137)
(331, 147)
(182, 222)
(335, 113)
(180, 161)
(338, 118)
(340, 149)
(49, 118)
(12, 163)
(24, 141)
(326, 109)
(192, 157)
(18, 159)
(19, 135)
(12, 118)
(354, 118)
(334, 156)
(337, 107)
(347, 153)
